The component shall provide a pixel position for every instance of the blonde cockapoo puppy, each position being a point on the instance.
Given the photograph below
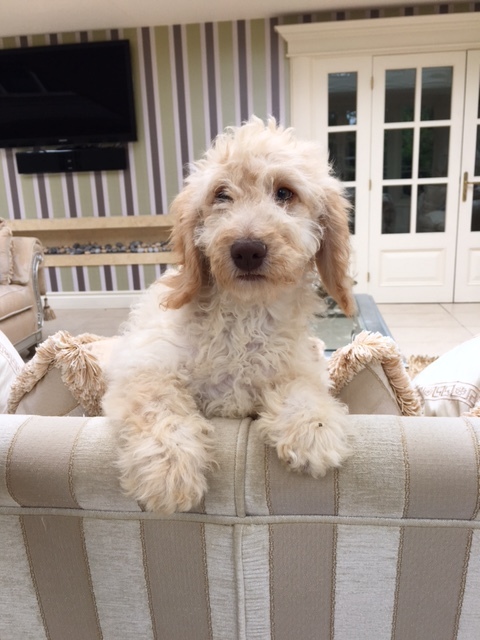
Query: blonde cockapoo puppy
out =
(228, 333)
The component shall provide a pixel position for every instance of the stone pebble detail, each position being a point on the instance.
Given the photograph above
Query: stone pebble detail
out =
(119, 247)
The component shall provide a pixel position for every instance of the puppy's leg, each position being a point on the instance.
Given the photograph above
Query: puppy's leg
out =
(165, 443)
(306, 426)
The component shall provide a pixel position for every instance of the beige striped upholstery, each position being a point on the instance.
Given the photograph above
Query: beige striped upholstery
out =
(387, 547)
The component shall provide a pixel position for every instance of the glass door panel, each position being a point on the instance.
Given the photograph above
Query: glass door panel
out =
(399, 95)
(436, 93)
(342, 134)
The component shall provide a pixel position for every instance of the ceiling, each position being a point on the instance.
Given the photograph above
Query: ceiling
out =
(26, 17)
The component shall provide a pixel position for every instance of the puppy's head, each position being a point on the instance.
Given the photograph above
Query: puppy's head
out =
(258, 211)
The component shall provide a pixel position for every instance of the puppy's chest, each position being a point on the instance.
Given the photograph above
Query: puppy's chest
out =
(231, 366)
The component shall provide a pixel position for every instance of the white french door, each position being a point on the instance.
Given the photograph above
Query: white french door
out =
(467, 274)
(403, 134)
(416, 150)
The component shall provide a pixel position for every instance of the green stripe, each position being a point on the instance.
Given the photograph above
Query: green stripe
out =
(122, 278)
(113, 192)
(85, 194)
(26, 186)
(55, 184)
(66, 278)
(94, 278)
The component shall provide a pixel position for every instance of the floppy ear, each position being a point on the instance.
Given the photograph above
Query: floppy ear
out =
(332, 258)
(192, 273)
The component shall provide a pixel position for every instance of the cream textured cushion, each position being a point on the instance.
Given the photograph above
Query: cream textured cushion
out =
(11, 364)
(63, 378)
(450, 386)
(368, 375)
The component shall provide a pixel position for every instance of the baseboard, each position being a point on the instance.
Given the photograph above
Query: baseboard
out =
(93, 300)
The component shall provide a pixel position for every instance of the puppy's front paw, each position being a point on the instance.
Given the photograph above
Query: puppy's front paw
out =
(314, 447)
(165, 473)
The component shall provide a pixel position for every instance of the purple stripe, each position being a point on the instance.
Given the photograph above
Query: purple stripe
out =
(151, 119)
(42, 192)
(136, 277)
(108, 277)
(72, 203)
(52, 272)
(211, 88)
(100, 193)
(181, 97)
(12, 181)
(80, 278)
(242, 69)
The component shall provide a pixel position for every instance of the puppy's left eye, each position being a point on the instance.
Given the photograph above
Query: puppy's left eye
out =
(222, 196)
(283, 195)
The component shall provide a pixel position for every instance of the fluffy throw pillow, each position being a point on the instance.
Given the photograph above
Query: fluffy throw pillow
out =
(450, 386)
(11, 365)
(64, 377)
(369, 376)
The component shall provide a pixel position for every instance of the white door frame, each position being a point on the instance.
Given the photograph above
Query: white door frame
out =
(467, 273)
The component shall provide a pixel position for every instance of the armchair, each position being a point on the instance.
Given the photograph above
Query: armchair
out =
(21, 285)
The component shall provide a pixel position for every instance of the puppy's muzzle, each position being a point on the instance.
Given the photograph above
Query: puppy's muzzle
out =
(248, 255)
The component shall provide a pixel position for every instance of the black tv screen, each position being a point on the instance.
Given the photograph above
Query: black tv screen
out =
(66, 94)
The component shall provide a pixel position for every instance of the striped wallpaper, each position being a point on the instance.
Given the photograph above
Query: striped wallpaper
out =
(190, 82)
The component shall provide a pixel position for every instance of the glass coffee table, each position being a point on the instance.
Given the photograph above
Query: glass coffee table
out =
(336, 330)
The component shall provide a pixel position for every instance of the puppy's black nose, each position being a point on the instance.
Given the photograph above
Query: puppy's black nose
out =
(248, 255)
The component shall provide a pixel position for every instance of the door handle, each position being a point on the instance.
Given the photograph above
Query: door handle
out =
(466, 182)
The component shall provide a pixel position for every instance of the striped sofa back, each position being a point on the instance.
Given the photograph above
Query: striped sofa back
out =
(386, 547)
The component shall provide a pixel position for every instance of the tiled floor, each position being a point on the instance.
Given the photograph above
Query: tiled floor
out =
(419, 329)
(431, 329)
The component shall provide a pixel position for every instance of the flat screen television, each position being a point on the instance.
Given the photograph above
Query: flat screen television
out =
(69, 94)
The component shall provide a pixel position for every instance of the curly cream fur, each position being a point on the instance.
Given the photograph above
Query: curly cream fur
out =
(206, 341)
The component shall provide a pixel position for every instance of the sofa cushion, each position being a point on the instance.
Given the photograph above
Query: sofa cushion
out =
(450, 386)
(64, 377)
(11, 364)
(6, 260)
(369, 376)
(14, 299)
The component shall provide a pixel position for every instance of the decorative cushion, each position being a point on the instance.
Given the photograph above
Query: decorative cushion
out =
(6, 258)
(11, 365)
(450, 386)
(369, 376)
(64, 377)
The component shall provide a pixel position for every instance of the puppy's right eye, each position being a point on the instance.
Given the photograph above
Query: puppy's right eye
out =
(222, 196)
